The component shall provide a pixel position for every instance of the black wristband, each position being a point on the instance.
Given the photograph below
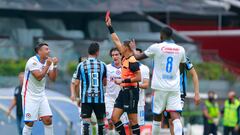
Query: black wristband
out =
(110, 28)
(126, 81)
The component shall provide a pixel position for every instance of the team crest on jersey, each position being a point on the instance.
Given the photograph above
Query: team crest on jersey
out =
(28, 115)
(118, 72)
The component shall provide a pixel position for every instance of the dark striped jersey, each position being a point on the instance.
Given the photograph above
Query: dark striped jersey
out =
(184, 67)
(91, 73)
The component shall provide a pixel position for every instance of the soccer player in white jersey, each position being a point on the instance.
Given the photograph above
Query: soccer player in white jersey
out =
(112, 89)
(167, 57)
(35, 102)
(143, 85)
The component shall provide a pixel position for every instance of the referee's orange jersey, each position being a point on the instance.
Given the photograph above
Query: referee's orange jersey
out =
(129, 67)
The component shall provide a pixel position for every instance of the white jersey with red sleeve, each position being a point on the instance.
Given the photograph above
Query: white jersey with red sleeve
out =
(31, 85)
(167, 56)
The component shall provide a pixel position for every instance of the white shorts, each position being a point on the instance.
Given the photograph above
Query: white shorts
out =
(141, 115)
(109, 103)
(166, 100)
(35, 108)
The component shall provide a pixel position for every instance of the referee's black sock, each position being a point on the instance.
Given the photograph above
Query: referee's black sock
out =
(136, 129)
(120, 128)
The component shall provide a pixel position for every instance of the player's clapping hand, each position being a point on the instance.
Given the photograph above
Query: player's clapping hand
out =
(49, 61)
(55, 60)
(118, 81)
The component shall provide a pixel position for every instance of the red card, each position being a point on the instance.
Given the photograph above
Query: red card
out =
(107, 15)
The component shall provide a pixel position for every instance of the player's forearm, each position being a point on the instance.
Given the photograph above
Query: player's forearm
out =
(77, 91)
(137, 78)
(195, 80)
(104, 81)
(139, 56)
(144, 86)
(72, 89)
(13, 104)
(53, 74)
(39, 75)
(115, 38)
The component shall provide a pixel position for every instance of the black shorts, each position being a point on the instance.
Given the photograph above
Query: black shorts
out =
(128, 99)
(97, 108)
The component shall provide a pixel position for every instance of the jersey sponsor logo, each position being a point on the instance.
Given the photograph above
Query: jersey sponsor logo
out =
(167, 77)
(112, 78)
(170, 49)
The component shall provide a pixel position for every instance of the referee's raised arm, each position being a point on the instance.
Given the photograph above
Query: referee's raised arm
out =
(114, 36)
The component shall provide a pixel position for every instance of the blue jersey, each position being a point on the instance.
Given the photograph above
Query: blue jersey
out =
(91, 73)
(184, 67)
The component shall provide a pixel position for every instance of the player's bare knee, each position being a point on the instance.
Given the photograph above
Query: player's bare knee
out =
(157, 117)
(174, 115)
(170, 122)
(133, 120)
(30, 124)
(115, 119)
(47, 120)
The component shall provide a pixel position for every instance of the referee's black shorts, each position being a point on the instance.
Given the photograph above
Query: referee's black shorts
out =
(128, 99)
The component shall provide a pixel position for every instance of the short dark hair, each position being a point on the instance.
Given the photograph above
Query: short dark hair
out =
(167, 32)
(93, 48)
(138, 49)
(112, 50)
(39, 45)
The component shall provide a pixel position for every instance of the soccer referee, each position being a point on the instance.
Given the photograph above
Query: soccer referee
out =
(127, 100)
